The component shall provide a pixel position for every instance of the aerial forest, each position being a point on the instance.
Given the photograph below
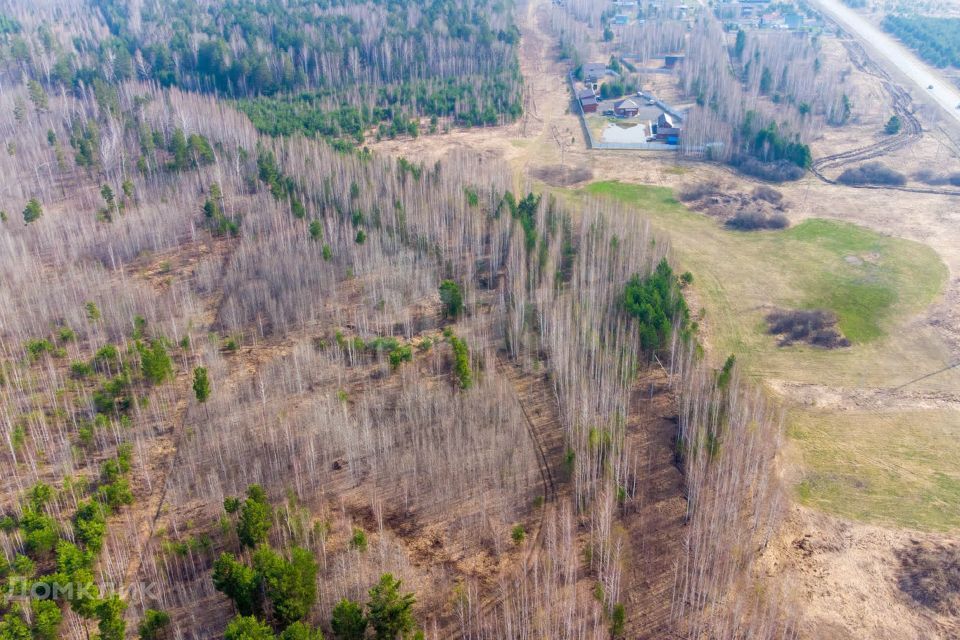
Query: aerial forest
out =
(257, 381)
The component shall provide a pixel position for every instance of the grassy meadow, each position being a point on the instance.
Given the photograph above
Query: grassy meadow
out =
(888, 467)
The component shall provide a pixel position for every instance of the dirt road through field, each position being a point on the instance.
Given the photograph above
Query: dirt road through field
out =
(890, 53)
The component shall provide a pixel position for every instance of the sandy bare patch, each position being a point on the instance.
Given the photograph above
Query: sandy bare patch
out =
(561, 175)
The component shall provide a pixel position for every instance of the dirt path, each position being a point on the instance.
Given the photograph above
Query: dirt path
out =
(167, 445)
(894, 56)
(531, 140)
(657, 526)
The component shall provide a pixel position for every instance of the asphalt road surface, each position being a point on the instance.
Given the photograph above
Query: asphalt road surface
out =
(888, 52)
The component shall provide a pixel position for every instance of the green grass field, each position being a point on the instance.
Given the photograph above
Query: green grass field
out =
(892, 468)
(870, 281)
(853, 464)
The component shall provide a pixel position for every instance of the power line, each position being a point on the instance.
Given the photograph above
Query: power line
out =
(929, 375)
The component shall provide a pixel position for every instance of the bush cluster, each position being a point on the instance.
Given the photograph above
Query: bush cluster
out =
(872, 173)
(657, 304)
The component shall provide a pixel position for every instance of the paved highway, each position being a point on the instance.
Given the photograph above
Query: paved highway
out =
(888, 51)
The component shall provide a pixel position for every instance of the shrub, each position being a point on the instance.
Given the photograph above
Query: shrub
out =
(698, 191)
(726, 372)
(301, 631)
(893, 126)
(473, 198)
(90, 525)
(873, 173)
(753, 220)
(461, 362)
(518, 534)
(814, 327)
(201, 384)
(618, 621)
(289, 585)
(380, 344)
(452, 298)
(768, 194)
(103, 401)
(256, 517)
(39, 496)
(771, 145)
(46, 619)
(247, 628)
(80, 369)
(36, 348)
(155, 362)
(32, 211)
(116, 494)
(106, 356)
(23, 566)
(237, 581)
(929, 177)
(154, 625)
(316, 230)
(297, 208)
(111, 624)
(400, 355)
(40, 533)
(359, 539)
(777, 171)
(391, 612)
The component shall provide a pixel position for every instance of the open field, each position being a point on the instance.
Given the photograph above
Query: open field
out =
(899, 468)
(868, 280)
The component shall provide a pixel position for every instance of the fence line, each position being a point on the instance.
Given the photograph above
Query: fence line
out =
(592, 143)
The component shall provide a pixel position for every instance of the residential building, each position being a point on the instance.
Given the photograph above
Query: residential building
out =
(627, 108)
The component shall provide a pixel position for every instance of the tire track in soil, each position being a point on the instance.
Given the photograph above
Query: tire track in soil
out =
(157, 500)
(911, 131)
(540, 409)
(546, 433)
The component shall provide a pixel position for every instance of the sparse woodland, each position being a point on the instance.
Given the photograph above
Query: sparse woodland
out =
(244, 378)
(766, 96)
(760, 96)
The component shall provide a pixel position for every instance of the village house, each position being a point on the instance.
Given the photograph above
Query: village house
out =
(627, 108)
(671, 61)
(588, 100)
(667, 129)
(594, 71)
